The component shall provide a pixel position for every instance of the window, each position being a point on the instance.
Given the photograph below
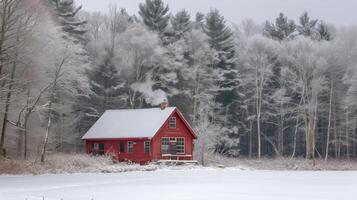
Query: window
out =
(165, 145)
(101, 147)
(180, 145)
(130, 146)
(147, 147)
(97, 148)
(171, 143)
(93, 147)
(172, 122)
(122, 147)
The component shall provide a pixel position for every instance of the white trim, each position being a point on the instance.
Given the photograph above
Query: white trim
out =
(147, 141)
(161, 143)
(132, 149)
(184, 145)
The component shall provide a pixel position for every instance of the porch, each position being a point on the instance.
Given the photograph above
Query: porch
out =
(176, 157)
(172, 159)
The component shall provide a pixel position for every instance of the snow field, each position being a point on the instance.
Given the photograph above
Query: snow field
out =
(194, 184)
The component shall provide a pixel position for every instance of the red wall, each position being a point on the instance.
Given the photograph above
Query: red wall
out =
(181, 130)
(112, 145)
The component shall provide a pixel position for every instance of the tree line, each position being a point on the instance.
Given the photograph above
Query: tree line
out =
(282, 88)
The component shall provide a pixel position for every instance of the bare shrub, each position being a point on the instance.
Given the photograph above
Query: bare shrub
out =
(69, 163)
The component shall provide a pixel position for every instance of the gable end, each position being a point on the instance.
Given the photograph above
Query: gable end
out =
(182, 118)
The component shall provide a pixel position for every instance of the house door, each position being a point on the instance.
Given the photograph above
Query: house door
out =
(173, 150)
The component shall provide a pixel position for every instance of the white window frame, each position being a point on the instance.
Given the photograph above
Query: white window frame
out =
(174, 139)
(174, 125)
(94, 148)
(132, 147)
(184, 145)
(149, 146)
(165, 144)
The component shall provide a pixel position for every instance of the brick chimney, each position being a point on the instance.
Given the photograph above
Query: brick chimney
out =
(164, 104)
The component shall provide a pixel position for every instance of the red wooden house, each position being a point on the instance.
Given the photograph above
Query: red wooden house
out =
(142, 135)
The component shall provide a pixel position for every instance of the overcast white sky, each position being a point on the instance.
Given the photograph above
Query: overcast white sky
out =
(339, 12)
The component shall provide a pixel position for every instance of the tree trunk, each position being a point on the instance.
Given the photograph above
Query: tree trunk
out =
(354, 138)
(310, 150)
(52, 98)
(335, 130)
(3, 30)
(296, 129)
(295, 136)
(258, 102)
(203, 154)
(329, 124)
(280, 136)
(347, 136)
(7, 102)
(250, 138)
(195, 99)
(314, 135)
(49, 123)
(25, 138)
(339, 143)
(19, 142)
(310, 140)
(259, 137)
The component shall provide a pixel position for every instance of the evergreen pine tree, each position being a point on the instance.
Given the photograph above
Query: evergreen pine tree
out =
(181, 23)
(324, 32)
(280, 30)
(220, 35)
(199, 20)
(220, 38)
(66, 13)
(105, 92)
(307, 26)
(154, 14)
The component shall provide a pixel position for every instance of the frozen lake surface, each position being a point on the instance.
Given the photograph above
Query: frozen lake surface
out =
(198, 184)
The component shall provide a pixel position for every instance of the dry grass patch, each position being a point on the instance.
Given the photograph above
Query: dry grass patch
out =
(69, 163)
(283, 163)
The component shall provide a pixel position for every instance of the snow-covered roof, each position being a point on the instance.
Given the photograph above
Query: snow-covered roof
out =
(129, 123)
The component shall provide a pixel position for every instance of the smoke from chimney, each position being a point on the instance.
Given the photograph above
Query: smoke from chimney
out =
(152, 97)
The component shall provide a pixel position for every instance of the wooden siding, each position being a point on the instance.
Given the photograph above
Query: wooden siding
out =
(111, 146)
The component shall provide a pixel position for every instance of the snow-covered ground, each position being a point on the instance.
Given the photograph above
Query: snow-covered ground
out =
(195, 184)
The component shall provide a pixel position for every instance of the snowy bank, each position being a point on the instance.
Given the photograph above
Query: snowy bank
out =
(79, 163)
(69, 163)
(83, 163)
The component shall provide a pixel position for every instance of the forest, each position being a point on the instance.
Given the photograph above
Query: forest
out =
(283, 88)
